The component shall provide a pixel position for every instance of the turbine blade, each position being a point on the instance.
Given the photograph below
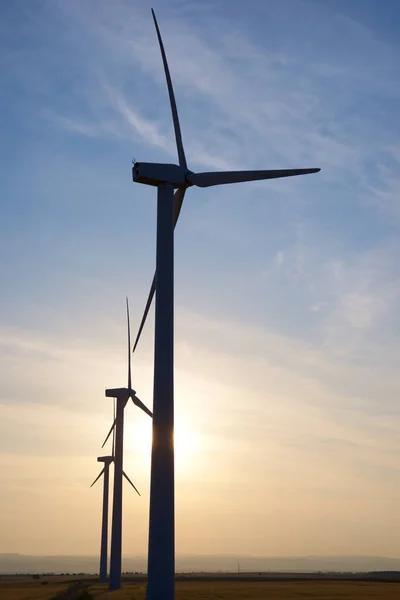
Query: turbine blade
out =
(146, 311)
(129, 346)
(127, 478)
(223, 177)
(109, 433)
(175, 118)
(178, 200)
(98, 477)
(140, 404)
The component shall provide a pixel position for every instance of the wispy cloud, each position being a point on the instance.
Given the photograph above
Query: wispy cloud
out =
(83, 127)
(234, 93)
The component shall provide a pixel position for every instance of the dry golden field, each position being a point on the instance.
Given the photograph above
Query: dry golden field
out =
(14, 588)
(222, 590)
(24, 588)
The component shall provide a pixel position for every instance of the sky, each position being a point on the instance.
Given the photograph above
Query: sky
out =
(287, 292)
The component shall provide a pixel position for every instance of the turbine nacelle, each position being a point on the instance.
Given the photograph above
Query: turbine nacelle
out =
(120, 393)
(105, 459)
(158, 173)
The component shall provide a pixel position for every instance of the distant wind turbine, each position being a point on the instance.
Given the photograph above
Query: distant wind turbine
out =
(122, 396)
(107, 460)
(167, 177)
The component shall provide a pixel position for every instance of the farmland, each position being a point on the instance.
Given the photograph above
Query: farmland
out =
(204, 588)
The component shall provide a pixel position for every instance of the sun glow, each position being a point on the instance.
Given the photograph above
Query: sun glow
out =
(186, 441)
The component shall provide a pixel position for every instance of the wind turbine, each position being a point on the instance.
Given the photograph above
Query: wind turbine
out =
(167, 177)
(107, 460)
(122, 396)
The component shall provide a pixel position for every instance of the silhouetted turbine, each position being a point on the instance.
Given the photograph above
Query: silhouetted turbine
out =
(122, 395)
(167, 177)
(107, 460)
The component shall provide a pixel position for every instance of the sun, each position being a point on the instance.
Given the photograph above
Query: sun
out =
(186, 441)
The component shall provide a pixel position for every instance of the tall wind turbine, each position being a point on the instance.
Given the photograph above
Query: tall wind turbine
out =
(167, 177)
(107, 460)
(122, 396)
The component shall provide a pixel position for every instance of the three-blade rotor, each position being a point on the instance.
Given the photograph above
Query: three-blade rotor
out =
(123, 394)
(110, 459)
(206, 179)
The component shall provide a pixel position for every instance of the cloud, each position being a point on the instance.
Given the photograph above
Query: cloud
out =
(251, 104)
(84, 128)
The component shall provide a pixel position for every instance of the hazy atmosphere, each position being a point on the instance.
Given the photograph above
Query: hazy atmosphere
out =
(287, 292)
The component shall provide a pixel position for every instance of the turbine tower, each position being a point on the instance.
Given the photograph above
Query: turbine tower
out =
(107, 460)
(122, 396)
(167, 177)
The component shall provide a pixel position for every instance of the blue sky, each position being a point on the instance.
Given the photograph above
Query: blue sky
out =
(287, 293)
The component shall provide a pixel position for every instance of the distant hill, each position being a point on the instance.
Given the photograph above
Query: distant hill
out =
(24, 563)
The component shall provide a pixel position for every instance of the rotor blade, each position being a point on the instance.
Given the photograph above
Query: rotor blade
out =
(109, 433)
(129, 346)
(98, 477)
(127, 478)
(140, 404)
(115, 420)
(146, 311)
(178, 200)
(178, 135)
(223, 177)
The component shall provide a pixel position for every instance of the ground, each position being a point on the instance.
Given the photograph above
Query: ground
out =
(200, 588)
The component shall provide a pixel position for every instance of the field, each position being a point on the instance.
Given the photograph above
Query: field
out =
(200, 588)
